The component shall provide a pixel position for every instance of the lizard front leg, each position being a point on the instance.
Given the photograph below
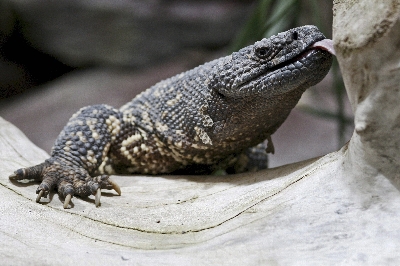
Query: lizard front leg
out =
(79, 151)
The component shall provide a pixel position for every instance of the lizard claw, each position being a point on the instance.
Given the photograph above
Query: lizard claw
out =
(13, 176)
(39, 196)
(115, 186)
(67, 200)
(97, 197)
(105, 182)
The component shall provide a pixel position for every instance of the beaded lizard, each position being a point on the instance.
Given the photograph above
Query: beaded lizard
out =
(195, 122)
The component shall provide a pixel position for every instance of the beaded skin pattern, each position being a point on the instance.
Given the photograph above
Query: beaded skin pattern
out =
(208, 118)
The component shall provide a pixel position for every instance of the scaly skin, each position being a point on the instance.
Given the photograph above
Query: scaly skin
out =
(198, 121)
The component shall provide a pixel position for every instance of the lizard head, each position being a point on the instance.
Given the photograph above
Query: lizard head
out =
(256, 88)
(282, 63)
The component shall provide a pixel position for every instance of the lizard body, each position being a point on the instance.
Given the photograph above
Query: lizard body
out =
(205, 118)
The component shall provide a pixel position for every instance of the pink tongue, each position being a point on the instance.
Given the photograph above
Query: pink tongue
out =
(325, 44)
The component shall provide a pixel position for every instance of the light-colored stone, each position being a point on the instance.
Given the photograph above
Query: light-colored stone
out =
(368, 52)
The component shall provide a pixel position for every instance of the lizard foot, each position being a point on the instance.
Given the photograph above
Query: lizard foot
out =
(68, 180)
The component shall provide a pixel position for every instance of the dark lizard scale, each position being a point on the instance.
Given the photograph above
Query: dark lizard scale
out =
(209, 117)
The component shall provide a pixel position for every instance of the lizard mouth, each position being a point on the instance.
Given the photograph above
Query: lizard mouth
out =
(325, 45)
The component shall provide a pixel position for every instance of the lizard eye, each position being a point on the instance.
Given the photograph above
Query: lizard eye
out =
(262, 52)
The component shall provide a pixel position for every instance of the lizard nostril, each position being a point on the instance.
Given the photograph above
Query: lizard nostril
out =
(295, 35)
